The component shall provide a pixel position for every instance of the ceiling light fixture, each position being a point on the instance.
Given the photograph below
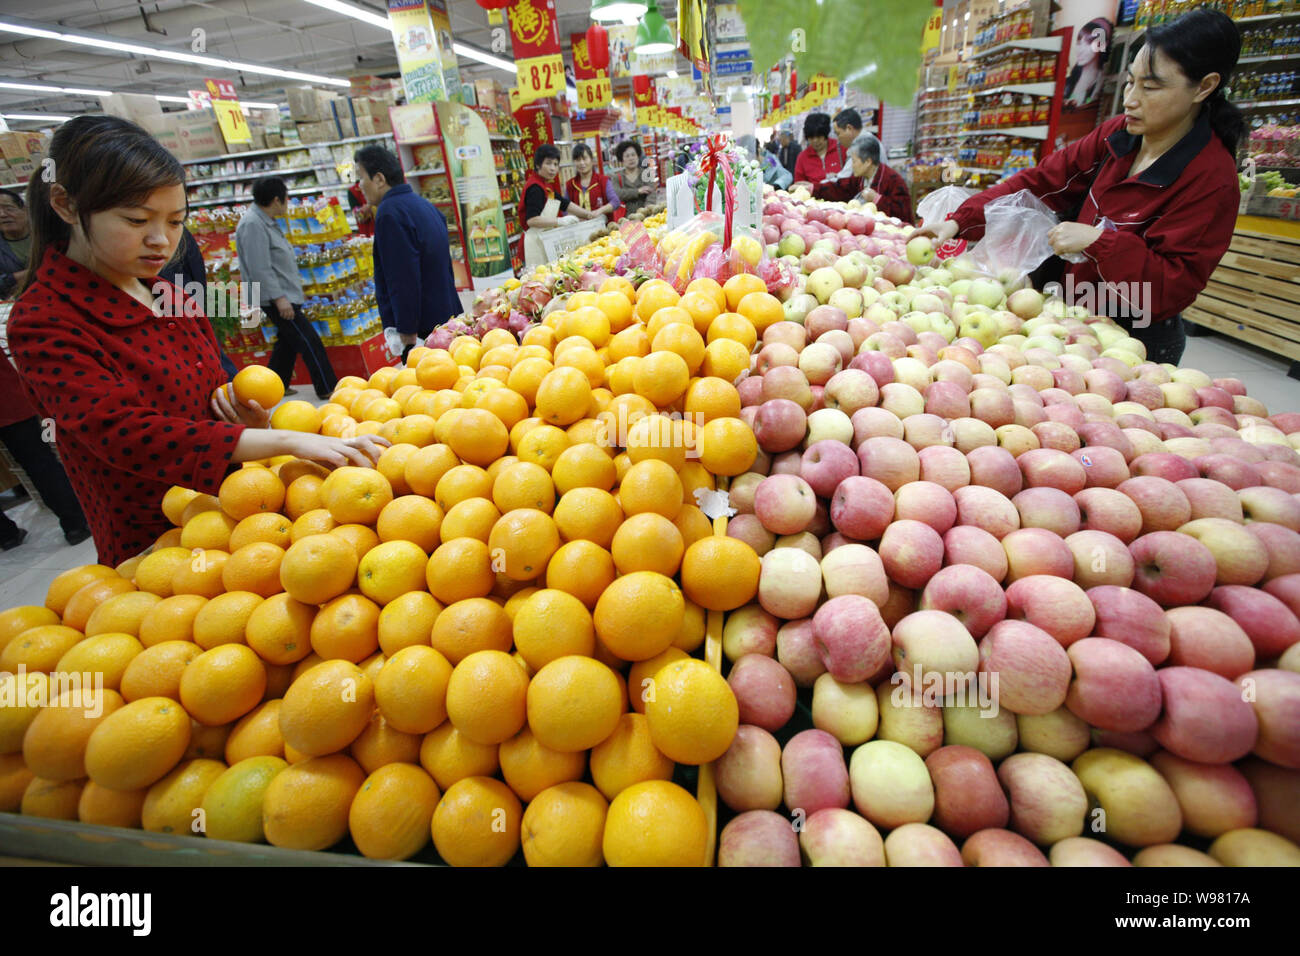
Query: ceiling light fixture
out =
(609, 11)
(36, 117)
(473, 53)
(357, 13)
(45, 88)
(653, 35)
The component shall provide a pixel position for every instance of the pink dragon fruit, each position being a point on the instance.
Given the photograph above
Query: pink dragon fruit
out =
(533, 297)
(440, 338)
(518, 323)
(591, 280)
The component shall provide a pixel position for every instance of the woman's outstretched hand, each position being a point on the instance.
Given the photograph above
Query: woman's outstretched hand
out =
(939, 233)
(363, 450)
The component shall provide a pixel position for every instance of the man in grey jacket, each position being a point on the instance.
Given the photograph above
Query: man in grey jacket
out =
(267, 258)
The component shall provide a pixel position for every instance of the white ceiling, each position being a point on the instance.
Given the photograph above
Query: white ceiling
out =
(287, 34)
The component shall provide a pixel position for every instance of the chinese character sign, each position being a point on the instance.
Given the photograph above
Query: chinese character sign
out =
(535, 37)
(418, 55)
(594, 89)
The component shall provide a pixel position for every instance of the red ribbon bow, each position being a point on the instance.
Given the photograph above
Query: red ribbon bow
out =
(713, 158)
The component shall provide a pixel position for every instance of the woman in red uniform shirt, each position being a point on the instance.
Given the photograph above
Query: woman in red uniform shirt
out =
(590, 189)
(1164, 176)
(822, 158)
(128, 382)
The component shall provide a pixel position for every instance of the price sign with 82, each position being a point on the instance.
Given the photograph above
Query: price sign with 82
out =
(540, 76)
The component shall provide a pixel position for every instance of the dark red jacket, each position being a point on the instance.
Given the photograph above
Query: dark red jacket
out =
(14, 406)
(895, 198)
(129, 393)
(1173, 221)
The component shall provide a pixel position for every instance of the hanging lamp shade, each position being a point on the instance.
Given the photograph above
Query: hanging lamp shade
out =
(494, 4)
(653, 35)
(598, 47)
(616, 11)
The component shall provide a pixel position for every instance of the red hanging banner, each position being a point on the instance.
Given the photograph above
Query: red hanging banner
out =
(594, 88)
(535, 37)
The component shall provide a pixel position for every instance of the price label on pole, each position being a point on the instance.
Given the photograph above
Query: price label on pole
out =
(594, 94)
(540, 76)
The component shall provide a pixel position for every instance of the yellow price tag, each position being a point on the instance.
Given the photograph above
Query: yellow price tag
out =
(233, 126)
(593, 94)
(540, 76)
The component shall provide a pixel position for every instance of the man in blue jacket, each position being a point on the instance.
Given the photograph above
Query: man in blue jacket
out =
(414, 285)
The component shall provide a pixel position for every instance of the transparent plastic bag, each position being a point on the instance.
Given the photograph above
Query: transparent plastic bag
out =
(938, 205)
(1015, 235)
(694, 251)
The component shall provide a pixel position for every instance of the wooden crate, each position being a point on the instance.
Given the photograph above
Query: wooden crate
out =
(1252, 295)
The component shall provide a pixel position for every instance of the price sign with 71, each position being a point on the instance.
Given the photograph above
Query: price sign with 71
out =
(540, 76)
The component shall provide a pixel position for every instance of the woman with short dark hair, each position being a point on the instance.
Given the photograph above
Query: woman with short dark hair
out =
(821, 159)
(15, 242)
(630, 181)
(589, 189)
(540, 189)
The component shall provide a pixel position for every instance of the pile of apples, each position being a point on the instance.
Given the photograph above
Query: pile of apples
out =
(961, 480)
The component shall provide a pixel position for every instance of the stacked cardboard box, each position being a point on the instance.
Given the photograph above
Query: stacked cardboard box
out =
(21, 155)
(133, 106)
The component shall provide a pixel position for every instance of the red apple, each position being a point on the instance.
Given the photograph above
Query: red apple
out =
(1036, 551)
(967, 795)
(912, 552)
(1114, 687)
(1205, 718)
(1032, 668)
(861, 508)
(996, 468)
(784, 503)
(1048, 508)
(1267, 621)
(968, 593)
(967, 544)
(1056, 605)
(1163, 505)
(1209, 639)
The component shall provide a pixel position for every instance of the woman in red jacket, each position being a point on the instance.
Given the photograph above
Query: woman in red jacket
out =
(103, 348)
(590, 189)
(1149, 198)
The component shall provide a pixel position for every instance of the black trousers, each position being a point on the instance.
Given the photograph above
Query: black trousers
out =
(298, 337)
(1165, 341)
(24, 441)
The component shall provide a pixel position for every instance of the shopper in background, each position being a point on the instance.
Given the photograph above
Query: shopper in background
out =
(844, 185)
(415, 287)
(821, 158)
(880, 184)
(1162, 176)
(787, 152)
(192, 270)
(630, 181)
(267, 258)
(589, 189)
(130, 386)
(17, 244)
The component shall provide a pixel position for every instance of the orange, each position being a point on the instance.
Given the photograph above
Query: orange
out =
(656, 437)
(127, 568)
(270, 528)
(522, 542)
(255, 568)
(138, 744)
(380, 744)
(52, 800)
(474, 624)
(647, 542)
(683, 340)
(529, 768)
(589, 514)
(106, 655)
(202, 575)
(414, 357)
(619, 284)
(346, 628)
(326, 708)
(694, 475)
(583, 465)
(477, 823)
(581, 568)
(563, 396)
(121, 614)
(199, 503)
(437, 370)
(297, 416)
(232, 805)
(709, 287)
(39, 648)
(471, 518)
(14, 780)
(725, 359)
(652, 296)
(524, 485)
(460, 569)
(639, 615)
(661, 377)
(709, 398)
(703, 308)
(427, 466)
(412, 518)
(82, 604)
(170, 804)
(256, 734)
(727, 447)
(526, 377)
(257, 383)
(356, 495)
(720, 573)
(588, 361)
(461, 482)
(110, 808)
(693, 713)
(318, 567)
(731, 326)
(501, 464)
(383, 379)
(279, 630)
(316, 521)
(486, 697)
(640, 676)
(651, 485)
(175, 501)
(691, 635)
(392, 813)
(54, 746)
(360, 536)
(171, 619)
(542, 445)
(407, 621)
(574, 703)
(392, 465)
(551, 624)
(617, 309)
(632, 342)
(673, 315)
(381, 410)
(741, 285)
(391, 569)
(449, 756)
(411, 689)
(590, 322)
(655, 823)
(211, 529)
(207, 742)
(507, 405)
(250, 491)
(478, 437)
(415, 429)
(223, 684)
(306, 805)
(23, 700)
(156, 671)
(693, 525)
(564, 826)
(18, 619)
(761, 308)
(627, 757)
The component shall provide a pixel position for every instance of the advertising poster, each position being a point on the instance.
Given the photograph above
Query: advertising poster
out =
(539, 65)
(621, 41)
(450, 68)
(417, 51)
(473, 174)
(534, 129)
(1092, 25)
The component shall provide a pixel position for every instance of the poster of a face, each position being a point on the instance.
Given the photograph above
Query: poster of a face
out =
(1094, 25)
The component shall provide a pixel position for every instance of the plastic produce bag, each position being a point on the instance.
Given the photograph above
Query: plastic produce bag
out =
(1015, 235)
(938, 205)
(695, 251)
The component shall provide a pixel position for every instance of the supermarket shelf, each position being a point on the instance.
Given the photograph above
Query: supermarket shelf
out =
(1026, 132)
(258, 174)
(1265, 104)
(1266, 16)
(235, 200)
(503, 136)
(1029, 43)
(1032, 89)
(1269, 57)
(436, 171)
(509, 205)
(284, 149)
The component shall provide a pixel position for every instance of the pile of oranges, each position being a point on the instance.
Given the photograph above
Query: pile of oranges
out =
(484, 642)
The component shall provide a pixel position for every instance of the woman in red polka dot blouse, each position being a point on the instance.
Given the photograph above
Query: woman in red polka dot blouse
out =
(128, 375)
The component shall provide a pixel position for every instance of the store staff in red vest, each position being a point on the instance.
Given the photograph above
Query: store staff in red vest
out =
(1162, 175)
(590, 189)
(125, 366)
(542, 186)
(822, 158)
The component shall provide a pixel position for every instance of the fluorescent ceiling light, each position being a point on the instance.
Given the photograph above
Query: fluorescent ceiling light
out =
(357, 13)
(45, 88)
(473, 53)
(104, 43)
(36, 117)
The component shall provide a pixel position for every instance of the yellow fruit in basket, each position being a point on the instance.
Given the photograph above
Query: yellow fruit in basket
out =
(477, 823)
(583, 569)
(318, 567)
(486, 697)
(652, 296)
(617, 308)
(460, 568)
(156, 671)
(202, 574)
(356, 495)
(628, 756)
(656, 437)
(411, 689)
(347, 628)
(682, 339)
(693, 714)
(171, 619)
(711, 288)
(105, 655)
(651, 485)
(639, 615)
(425, 467)
(18, 619)
(588, 361)
(298, 416)
(306, 805)
(727, 446)
(465, 627)
(276, 529)
(170, 804)
(137, 744)
(14, 780)
(221, 685)
(662, 377)
(647, 542)
(655, 823)
(551, 624)
(521, 543)
(564, 826)
(110, 808)
(390, 570)
(563, 396)
(529, 767)
(583, 465)
(761, 308)
(254, 568)
(589, 321)
(749, 249)
(449, 756)
(326, 708)
(122, 613)
(24, 697)
(739, 286)
(232, 805)
(52, 799)
(39, 648)
(154, 574)
(256, 734)
(391, 814)
(174, 503)
(381, 744)
(690, 521)
(279, 630)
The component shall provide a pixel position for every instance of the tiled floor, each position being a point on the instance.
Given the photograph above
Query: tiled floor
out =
(26, 571)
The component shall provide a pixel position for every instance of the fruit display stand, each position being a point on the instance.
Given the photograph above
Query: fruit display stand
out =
(362, 360)
(1253, 294)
